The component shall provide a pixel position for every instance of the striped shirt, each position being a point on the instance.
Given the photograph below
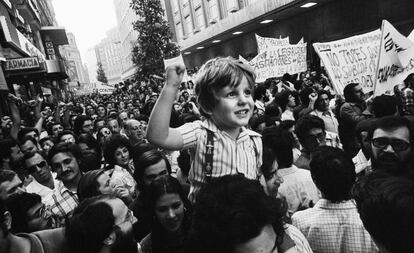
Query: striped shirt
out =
(301, 244)
(334, 227)
(240, 156)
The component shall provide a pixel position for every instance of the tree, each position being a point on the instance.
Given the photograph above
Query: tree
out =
(154, 40)
(101, 76)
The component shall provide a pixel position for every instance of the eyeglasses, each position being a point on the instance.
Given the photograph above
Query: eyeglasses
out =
(397, 145)
(32, 169)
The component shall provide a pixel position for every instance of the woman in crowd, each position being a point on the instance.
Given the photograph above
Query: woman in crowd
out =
(171, 217)
(120, 169)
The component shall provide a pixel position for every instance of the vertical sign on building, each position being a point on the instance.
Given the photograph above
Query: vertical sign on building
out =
(50, 51)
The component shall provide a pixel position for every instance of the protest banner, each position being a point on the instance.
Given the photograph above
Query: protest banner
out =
(395, 62)
(264, 42)
(277, 61)
(179, 59)
(351, 60)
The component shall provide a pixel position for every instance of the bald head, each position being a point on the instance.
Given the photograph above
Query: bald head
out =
(134, 131)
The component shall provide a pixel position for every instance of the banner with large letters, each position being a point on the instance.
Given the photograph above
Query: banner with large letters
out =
(396, 59)
(351, 60)
(277, 61)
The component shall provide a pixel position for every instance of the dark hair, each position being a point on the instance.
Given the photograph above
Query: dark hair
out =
(161, 186)
(281, 144)
(304, 95)
(386, 207)
(282, 99)
(320, 93)
(88, 185)
(333, 172)
(216, 74)
(89, 140)
(148, 158)
(116, 141)
(349, 92)
(5, 148)
(391, 123)
(19, 205)
(95, 123)
(30, 154)
(232, 210)
(77, 126)
(25, 130)
(184, 162)
(384, 105)
(272, 114)
(26, 139)
(305, 124)
(65, 132)
(65, 148)
(259, 92)
(6, 175)
(44, 139)
(92, 222)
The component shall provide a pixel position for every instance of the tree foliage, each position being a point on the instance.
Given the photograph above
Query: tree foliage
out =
(100, 74)
(154, 39)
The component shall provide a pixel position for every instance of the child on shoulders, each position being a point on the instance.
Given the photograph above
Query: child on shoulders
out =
(220, 145)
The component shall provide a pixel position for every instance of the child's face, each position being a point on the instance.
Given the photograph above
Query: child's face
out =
(234, 108)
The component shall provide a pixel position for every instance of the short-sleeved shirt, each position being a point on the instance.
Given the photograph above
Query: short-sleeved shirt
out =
(240, 156)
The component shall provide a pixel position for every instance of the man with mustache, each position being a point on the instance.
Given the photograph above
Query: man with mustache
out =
(390, 143)
(101, 224)
(64, 158)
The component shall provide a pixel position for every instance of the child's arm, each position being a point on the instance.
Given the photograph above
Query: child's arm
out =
(159, 132)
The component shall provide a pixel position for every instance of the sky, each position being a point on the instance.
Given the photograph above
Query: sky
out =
(88, 20)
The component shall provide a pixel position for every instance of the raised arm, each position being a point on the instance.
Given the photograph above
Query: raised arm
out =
(15, 115)
(159, 132)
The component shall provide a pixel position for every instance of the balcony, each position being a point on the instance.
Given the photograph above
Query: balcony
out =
(28, 9)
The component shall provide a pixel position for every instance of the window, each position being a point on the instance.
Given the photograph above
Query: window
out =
(199, 16)
(232, 5)
(188, 24)
(174, 6)
(213, 10)
(179, 30)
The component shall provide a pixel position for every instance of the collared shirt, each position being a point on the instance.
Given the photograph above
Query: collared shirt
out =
(240, 156)
(62, 201)
(287, 115)
(332, 140)
(328, 117)
(301, 244)
(334, 227)
(298, 188)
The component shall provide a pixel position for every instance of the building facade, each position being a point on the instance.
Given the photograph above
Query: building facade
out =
(29, 50)
(128, 36)
(73, 61)
(108, 52)
(206, 29)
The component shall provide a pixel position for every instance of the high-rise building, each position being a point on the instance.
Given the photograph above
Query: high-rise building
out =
(108, 52)
(73, 60)
(209, 28)
(128, 36)
(91, 62)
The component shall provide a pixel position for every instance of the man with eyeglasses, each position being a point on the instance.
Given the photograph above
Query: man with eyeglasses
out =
(134, 131)
(391, 143)
(43, 181)
(64, 159)
(101, 224)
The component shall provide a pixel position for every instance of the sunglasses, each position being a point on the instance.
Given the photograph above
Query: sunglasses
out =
(397, 145)
(32, 169)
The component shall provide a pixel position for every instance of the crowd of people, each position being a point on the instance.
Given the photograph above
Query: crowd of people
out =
(214, 164)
